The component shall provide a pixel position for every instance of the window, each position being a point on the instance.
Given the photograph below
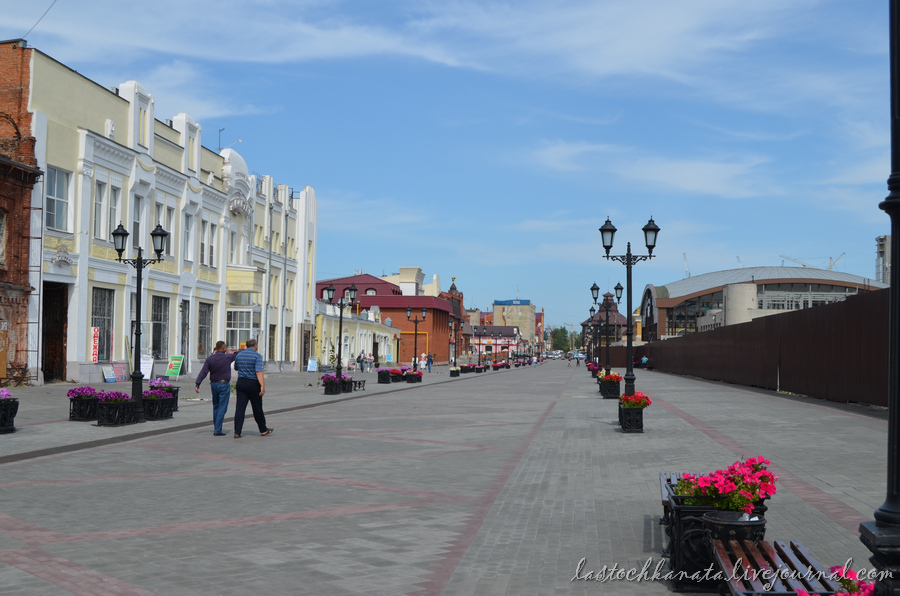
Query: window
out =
(102, 306)
(136, 221)
(192, 146)
(203, 226)
(272, 332)
(170, 228)
(57, 199)
(370, 292)
(99, 197)
(113, 209)
(159, 327)
(188, 247)
(232, 246)
(3, 235)
(212, 245)
(287, 344)
(142, 127)
(204, 330)
(237, 327)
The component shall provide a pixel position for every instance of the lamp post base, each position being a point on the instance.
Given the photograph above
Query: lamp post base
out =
(884, 542)
(137, 395)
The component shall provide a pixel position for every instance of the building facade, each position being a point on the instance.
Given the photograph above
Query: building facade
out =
(361, 332)
(109, 161)
(883, 259)
(711, 300)
(516, 313)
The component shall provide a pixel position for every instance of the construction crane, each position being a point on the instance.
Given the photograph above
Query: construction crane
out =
(833, 262)
(798, 261)
(687, 272)
(740, 265)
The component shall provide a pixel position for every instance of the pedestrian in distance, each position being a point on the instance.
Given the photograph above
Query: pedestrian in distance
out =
(429, 361)
(218, 366)
(251, 386)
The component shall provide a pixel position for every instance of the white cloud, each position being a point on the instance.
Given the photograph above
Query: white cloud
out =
(567, 156)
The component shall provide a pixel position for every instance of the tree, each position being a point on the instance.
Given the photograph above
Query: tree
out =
(559, 338)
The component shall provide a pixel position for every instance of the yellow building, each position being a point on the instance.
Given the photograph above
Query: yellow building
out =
(361, 331)
(240, 257)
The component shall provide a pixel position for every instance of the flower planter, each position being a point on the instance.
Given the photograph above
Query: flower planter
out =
(174, 392)
(688, 549)
(83, 409)
(610, 389)
(593, 374)
(158, 409)
(8, 410)
(418, 378)
(332, 388)
(346, 385)
(412, 379)
(396, 378)
(479, 370)
(115, 413)
(384, 377)
(454, 373)
(632, 419)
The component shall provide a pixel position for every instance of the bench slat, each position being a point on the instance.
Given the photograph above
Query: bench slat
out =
(749, 576)
(724, 561)
(811, 562)
(767, 574)
(796, 564)
(778, 565)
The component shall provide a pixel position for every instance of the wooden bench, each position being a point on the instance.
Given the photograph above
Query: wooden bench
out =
(667, 479)
(359, 385)
(753, 569)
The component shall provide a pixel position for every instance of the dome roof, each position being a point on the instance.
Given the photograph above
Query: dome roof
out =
(234, 162)
(717, 279)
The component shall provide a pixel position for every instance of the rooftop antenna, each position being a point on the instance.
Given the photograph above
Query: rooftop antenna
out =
(740, 265)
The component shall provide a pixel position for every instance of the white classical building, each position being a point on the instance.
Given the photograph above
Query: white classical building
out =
(240, 257)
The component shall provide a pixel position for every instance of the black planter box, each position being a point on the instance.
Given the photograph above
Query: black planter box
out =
(454, 373)
(384, 378)
(83, 409)
(346, 386)
(174, 392)
(610, 389)
(412, 379)
(398, 378)
(632, 419)
(8, 410)
(158, 409)
(688, 550)
(115, 414)
(332, 388)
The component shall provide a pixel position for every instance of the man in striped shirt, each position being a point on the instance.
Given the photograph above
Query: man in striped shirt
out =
(251, 386)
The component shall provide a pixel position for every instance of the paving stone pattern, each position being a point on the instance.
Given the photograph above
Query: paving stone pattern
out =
(498, 483)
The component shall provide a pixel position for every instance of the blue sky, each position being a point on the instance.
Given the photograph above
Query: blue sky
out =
(490, 140)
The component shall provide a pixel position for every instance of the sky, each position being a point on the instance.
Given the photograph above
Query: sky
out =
(488, 141)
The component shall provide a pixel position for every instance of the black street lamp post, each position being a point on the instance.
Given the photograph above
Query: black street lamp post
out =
(329, 291)
(449, 341)
(416, 322)
(608, 233)
(606, 305)
(120, 237)
(882, 536)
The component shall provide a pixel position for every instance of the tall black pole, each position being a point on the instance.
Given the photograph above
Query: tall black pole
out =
(416, 345)
(337, 368)
(137, 377)
(607, 305)
(882, 536)
(629, 350)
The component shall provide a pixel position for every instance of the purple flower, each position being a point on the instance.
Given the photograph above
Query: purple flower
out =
(5, 394)
(109, 397)
(156, 394)
(81, 392)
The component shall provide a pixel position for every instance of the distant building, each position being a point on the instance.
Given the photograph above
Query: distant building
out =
(711, 300)
(516, 313)
(883, 259)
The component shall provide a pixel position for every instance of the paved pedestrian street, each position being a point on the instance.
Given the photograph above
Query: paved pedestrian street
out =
(494, 483)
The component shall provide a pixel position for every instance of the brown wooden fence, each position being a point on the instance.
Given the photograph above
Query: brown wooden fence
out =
(836, 352)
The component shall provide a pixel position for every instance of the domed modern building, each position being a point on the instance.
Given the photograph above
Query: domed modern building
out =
(735, 296)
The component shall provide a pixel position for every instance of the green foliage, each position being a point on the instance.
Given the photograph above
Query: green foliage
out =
(559, 337)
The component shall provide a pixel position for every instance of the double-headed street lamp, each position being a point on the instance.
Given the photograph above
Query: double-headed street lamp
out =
(329, 291)
(120, 237)
(608, 233)
(607, 306)
(449, 341)
(416, 322)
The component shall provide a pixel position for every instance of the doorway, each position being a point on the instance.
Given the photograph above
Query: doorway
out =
(55, 314)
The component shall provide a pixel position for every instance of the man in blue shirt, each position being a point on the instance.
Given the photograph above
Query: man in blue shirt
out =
(218, 366)
(251, 386)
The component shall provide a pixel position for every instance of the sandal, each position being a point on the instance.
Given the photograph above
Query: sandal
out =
(269, 431)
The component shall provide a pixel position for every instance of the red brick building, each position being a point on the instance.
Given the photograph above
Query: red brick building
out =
(433, 335)
(18, 175)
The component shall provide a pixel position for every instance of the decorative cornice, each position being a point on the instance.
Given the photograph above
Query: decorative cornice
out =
(62, 256)
(238, 203)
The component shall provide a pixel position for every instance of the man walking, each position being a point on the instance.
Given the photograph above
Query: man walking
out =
(251, 386)
(218, 366)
